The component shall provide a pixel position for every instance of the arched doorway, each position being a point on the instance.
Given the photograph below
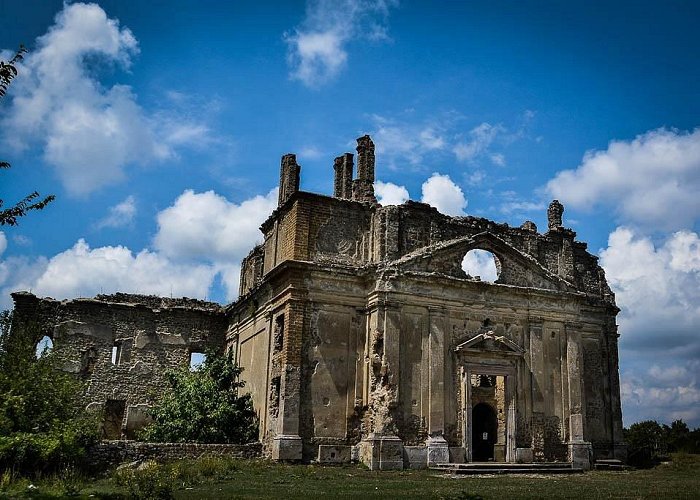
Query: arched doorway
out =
(484, 432)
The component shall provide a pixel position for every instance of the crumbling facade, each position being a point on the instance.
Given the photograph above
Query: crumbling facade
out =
(362, 337)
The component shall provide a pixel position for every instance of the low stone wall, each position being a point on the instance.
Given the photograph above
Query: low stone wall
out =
(108, 454)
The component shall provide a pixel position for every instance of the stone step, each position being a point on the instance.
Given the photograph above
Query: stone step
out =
(610, 464)
(504, 468)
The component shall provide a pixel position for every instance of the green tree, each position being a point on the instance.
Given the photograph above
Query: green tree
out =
(204, 406)
(42, 424)
(33, 201)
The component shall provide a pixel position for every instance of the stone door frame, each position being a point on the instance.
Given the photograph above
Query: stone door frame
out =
(495, 367)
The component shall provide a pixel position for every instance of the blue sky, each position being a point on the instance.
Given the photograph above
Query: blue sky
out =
(159, 127)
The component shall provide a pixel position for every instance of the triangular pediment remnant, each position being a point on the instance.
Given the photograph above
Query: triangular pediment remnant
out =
(516, 268)
(489, 341)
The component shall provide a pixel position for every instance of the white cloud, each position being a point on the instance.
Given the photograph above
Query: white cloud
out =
(658, 289)
(317, 50)
(88, 132)
(207, 225)
(390, 194)
(82, 271)
(120, 215)
(662, 392)
(199, 236)
(478, 142)
(652, 181)
(440, 192)
(3, 243)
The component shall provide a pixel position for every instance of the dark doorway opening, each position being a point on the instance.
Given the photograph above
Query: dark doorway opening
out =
(114, 417)
(484, 432)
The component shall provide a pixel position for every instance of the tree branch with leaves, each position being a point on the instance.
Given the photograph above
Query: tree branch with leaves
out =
(33, 201)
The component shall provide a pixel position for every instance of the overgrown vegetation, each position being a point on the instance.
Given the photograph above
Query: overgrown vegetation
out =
(204, 406)
(649, 443)
(42, 429)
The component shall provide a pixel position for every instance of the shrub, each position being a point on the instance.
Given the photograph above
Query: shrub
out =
(204, 406)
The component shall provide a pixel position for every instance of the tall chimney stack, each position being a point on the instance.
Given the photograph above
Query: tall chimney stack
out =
(363, 186)
(289, 177)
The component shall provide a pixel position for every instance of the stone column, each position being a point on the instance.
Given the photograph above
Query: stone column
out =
(511, 422)
(619, 446)
(287, 443)
(537, 367)
(579, 450)
(381, 449)
(438, 449)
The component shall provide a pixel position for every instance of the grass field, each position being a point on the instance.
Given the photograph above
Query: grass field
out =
(216, 478)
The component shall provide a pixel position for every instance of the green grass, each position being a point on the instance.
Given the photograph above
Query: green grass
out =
(255, 479)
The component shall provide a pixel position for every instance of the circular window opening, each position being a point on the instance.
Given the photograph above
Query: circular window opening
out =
(481, 264)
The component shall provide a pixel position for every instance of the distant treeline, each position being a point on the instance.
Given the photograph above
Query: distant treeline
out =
(649, 442)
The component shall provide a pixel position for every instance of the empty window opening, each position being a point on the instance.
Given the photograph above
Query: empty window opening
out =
(121, 352)
(278, 333)
(481, 264)
(197, 359)
(44, 346)
(113, 418)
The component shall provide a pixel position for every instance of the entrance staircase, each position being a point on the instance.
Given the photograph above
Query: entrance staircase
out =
(506, 468)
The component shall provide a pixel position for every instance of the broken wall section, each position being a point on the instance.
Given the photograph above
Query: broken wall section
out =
(122, 345)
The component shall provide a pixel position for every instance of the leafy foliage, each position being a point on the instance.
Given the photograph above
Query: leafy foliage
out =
(33, 201)
(649, 442)
(41, 425)
(204, 406)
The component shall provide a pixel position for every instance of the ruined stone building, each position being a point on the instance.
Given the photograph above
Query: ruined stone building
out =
(362, 337)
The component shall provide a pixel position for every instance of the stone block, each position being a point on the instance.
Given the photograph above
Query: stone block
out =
(458, 454)
(415, 457)
(524, 455)
(499, 453)
(438, 450)
(580, 454)
(382, 452)
(286, 448)
(334, 454)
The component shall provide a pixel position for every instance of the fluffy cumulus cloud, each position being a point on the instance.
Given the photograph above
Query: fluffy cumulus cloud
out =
(652, 181)
(87, 131)
(120, 215)
(317, 49)
(200, 236)
(389, 193)
(657, 287)
(82, 271)
(442, 193)
(207, 226)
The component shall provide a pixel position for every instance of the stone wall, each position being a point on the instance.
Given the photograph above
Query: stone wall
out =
(122, 346)
(109, 454)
